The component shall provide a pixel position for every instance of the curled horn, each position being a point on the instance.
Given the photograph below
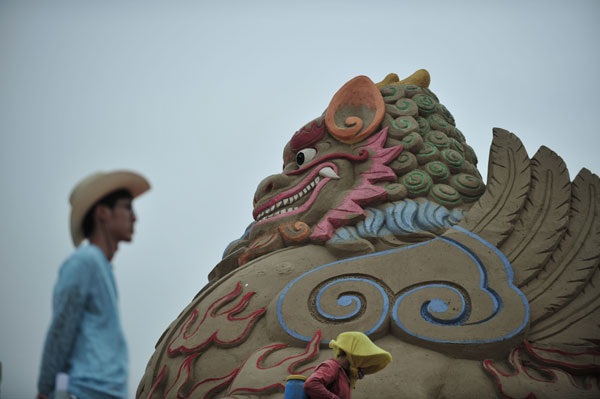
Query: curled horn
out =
(355, 111)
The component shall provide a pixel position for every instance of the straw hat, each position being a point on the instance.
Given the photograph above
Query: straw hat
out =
(361, 352)
(95, 186)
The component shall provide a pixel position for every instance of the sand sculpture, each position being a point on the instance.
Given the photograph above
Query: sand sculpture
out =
(381, 223)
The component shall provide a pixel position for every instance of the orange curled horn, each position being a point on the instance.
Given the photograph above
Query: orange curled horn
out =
(355, 111)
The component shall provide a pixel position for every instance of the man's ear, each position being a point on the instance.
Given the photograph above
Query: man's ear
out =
(101, 213)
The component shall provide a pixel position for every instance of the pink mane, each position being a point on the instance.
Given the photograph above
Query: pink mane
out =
(365, 193)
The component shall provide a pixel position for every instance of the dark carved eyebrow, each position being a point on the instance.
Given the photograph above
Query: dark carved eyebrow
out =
(308, 135)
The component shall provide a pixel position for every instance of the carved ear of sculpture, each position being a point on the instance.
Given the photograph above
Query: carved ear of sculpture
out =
(355, 111)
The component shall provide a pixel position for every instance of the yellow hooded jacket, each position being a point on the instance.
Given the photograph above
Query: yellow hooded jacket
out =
(361, 353)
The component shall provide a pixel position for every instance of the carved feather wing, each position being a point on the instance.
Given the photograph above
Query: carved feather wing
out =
(493, 216)
(565, 292)
(549, 229)
(543, 219)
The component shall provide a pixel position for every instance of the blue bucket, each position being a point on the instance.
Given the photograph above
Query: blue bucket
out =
(293, 387)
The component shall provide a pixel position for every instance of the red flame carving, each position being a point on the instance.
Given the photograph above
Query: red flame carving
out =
(271, 378)
(218, 326)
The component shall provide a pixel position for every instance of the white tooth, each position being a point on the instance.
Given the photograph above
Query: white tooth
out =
(278, 204)
(317, 179)
(328, 172)
(261, 214)
(300, 194)
(283, 211)
(295, 197)
(272, 208)
(305, 190)
(285, 201)
(312, 183)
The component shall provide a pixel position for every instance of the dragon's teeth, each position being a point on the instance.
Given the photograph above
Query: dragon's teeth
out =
(285, 201)
(317, 179)
(328, 172)
(312, 184)
(278, 204)
(295, 197)
(272, 208)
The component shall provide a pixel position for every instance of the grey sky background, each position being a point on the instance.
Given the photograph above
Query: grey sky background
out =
(201, 98)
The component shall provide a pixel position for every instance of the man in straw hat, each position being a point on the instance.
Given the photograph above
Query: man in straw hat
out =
(85, 339)
(355, 356)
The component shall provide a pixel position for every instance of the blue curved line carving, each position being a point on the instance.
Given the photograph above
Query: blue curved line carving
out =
(430, 307)
(293, 282)
(347, 300)
(400, 218)
(345, 234)
(510, 275)
(439, 306)
(483, 281)
(498, 303)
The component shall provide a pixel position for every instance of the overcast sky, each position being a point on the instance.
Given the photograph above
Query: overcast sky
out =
(201, 98)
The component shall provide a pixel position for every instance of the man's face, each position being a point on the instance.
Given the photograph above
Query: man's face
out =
(121, 220)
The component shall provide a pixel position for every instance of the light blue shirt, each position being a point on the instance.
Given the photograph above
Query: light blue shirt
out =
(85, 339)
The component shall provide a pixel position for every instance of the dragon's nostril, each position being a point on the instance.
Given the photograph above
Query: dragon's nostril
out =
(269, 188)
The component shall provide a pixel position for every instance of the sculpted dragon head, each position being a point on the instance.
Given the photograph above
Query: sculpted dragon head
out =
(385, 164)
(379, 223)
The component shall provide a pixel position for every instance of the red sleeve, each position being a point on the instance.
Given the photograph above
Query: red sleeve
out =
(316, 385)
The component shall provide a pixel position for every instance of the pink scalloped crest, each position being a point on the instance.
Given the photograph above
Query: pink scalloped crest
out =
(379, 171)
(212, 314)
(366, 192)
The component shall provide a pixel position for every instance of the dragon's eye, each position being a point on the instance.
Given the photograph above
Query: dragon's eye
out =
(305, 155)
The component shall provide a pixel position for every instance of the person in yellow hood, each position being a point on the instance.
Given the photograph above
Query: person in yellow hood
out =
(355, 356)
